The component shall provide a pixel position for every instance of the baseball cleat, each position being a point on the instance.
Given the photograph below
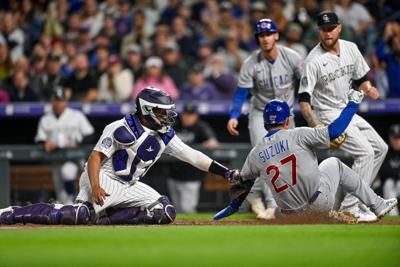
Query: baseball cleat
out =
(343, 217)
(267, 214)
(390, 204)
(366, 216)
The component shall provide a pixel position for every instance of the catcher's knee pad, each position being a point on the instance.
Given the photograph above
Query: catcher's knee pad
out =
(167, 213)
(74, 214)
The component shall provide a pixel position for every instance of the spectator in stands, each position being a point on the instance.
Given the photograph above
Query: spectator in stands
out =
(204, 52)
(6, 64)
(218, 74)
(68, 66)
(92, 17)
(275, 12)
(13, 36)
(115, 85)
(225, 17)
(63, 128)
(390, 171)
(388, 51)
(356, 17)
(134, 61)
(109, 31)
(258, 10)
(50, 79)
(161, 37)
(123, 21)
(85, 42)
(21, 90)
(184, 181)
(232, 53)
(109, 7)
(72, 29)
(82, 85)
(30, 22)
(378, 76)
(139, 35)
(183, 36)
(174, 63)
(154, 76)
(170, 11)
(293, 39)
(4, 96)
(100, 61)
(198, 89)
(57, 19)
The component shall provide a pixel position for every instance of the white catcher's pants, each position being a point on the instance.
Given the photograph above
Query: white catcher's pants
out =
(121, 194)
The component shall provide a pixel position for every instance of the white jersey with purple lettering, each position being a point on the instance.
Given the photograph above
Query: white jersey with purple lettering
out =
(286, 161)
(131, 149)
(328, 77)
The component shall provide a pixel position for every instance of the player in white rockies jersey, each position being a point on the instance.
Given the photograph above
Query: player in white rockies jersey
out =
(285, 159)
(268, 73)
(329, 71)
(63, 128)
(110, 182)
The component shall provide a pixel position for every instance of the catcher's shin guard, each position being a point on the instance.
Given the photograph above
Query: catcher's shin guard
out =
(160, 212)
(43, 213)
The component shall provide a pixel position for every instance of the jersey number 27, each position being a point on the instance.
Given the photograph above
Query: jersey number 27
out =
(273, 168)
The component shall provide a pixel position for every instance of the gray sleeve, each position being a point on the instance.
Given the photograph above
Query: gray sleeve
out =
(296, 62)
(249, 170)
(313, 137)
(246, 73)
(309, 77)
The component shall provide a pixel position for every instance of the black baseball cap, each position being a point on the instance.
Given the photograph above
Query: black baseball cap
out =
(58, 93)
(189, 108)
(327, 18)
(394, 131)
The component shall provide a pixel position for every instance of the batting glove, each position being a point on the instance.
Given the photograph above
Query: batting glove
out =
(335, 143)
(355, 96)
(232, 208)
(233, 176)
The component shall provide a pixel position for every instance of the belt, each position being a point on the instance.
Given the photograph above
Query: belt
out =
(310, 201)
(314, 197)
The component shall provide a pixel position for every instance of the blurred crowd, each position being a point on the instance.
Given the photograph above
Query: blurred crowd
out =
(109, 50)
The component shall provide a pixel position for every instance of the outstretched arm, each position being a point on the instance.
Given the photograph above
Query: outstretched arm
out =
(237, 102)
(338, 126)
(306, 110)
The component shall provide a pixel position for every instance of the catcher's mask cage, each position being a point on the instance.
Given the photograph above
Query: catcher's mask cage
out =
(157, 107)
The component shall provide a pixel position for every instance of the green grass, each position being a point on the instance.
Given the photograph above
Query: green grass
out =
(209, 245)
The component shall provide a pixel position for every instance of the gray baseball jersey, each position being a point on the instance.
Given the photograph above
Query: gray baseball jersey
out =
(286, 161)
(268, 80)
(327, 78)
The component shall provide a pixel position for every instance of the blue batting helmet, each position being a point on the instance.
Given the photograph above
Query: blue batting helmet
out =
(276, 112)
(265, 25)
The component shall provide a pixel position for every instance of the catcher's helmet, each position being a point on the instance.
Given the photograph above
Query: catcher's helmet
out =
(264, 25)
(276, 112)
(157, 107)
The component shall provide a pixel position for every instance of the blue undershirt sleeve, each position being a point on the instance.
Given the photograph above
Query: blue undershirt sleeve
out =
(237, 102)
(337, 127)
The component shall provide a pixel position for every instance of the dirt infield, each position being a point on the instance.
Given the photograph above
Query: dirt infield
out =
(302, 219)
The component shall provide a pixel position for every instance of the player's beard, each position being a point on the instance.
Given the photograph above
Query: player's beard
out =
(330, 43)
